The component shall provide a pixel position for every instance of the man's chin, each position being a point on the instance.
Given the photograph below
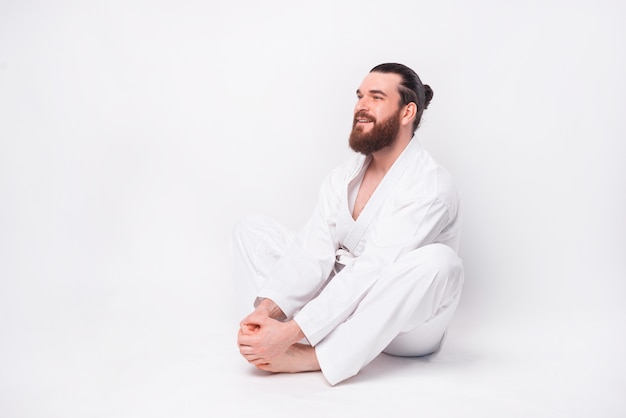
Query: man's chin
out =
(358, 147)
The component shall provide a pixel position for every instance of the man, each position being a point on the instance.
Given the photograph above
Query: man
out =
(375, 269)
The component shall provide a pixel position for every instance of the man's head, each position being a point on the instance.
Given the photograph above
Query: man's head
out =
(391, 99)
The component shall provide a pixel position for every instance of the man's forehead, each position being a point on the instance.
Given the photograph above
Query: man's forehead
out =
(386, 82)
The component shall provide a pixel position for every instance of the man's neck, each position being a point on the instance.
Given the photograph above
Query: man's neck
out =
(383, 159)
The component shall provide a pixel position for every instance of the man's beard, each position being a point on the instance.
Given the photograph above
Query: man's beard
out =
(380, 136)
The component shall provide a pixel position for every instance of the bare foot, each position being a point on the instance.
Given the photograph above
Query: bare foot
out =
(298, 358)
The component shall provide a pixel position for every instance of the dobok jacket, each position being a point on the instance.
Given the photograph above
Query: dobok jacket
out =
(415, 204)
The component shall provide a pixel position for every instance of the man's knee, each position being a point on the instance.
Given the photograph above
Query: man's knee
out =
(442, 259)
(246, 226)
(252, 228)
(260, 238)
(441, 263)
(436, 264)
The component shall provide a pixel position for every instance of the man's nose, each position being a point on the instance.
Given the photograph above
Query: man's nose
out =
(361, 104)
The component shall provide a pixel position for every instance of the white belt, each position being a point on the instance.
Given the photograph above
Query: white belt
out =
(343, 258)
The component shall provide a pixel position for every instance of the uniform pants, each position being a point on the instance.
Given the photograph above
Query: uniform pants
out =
(404, 313)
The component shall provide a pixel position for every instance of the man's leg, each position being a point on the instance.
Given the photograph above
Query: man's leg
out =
(427, 338)
(422, 287)
(257, 244)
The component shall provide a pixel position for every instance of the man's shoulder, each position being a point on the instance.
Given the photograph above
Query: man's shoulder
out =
(428, 177)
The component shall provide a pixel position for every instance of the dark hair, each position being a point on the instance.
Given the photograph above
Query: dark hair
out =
(411, 88)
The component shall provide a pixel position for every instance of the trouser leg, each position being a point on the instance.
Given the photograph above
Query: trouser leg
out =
(419, 290)
(427, 338)
(256, 245)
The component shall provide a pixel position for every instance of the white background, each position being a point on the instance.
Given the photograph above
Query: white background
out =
(135, 134)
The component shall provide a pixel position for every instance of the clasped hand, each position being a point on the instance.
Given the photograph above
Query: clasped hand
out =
(261, 338)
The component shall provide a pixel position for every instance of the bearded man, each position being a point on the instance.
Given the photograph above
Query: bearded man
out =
(375, 269)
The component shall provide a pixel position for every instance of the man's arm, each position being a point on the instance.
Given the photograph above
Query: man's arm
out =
(298, 276)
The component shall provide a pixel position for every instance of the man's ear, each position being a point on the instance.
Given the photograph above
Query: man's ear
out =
(410, 110)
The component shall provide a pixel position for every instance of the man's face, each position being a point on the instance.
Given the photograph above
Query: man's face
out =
(376, 114)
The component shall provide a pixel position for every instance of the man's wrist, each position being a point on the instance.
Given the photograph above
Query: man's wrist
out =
(270, 308)
(295, 330)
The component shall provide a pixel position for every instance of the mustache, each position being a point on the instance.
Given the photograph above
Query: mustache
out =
(363, 115)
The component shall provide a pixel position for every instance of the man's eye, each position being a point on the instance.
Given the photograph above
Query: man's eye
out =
(377, 98)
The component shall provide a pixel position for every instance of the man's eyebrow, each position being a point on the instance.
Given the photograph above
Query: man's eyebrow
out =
(382, 93)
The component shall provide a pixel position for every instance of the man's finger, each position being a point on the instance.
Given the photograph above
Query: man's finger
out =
(247, 328)
(260, 363)
(247, 340)
(246, 351)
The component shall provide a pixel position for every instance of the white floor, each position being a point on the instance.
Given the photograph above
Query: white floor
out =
(139, 364)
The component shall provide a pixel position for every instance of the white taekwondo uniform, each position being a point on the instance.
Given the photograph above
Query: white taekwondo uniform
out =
(387, 282)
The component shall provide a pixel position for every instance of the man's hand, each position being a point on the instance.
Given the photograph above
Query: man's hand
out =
(262, 338)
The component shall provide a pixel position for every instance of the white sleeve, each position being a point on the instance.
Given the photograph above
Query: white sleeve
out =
(304, 269)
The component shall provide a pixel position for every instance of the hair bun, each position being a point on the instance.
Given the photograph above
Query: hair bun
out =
(428, 95)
